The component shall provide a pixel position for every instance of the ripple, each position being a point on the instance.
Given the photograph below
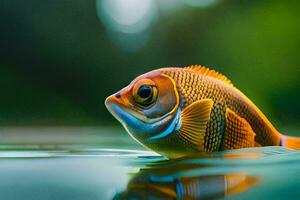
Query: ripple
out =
(46, 151)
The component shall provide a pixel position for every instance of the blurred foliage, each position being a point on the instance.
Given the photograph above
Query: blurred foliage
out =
(59, 60)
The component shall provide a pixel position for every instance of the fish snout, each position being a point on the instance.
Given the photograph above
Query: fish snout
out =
(110, 102)
(115, 105)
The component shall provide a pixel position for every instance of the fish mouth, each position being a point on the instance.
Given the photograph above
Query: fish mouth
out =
(116, 107)
(113, 105)
(124, 116)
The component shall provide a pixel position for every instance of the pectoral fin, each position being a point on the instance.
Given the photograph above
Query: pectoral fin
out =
(194, 120)
(238, 132)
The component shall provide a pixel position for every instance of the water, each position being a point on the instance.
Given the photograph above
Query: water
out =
(107, 166)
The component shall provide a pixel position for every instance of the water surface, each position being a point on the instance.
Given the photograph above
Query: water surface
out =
(112, 169)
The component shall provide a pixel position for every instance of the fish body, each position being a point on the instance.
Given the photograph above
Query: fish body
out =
(182, 111)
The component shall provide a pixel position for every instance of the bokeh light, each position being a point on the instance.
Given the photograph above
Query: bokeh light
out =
(127, 21)
(130, 16)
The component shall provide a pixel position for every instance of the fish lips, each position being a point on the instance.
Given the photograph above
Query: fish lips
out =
(113, 105)
(116, 107)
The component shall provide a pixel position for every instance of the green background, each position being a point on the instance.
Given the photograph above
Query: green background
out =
(60, 59)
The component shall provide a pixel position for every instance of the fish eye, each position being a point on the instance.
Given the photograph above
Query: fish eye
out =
(145, 95)
(145, 91)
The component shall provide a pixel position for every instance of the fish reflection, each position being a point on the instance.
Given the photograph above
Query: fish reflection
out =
(184, 179)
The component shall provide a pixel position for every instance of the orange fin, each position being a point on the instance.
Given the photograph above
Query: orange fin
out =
(290, 142)
(194, 120)
(238, 132)
(208, 72)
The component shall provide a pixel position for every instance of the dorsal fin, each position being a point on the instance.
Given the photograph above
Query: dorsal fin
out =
(208, 72)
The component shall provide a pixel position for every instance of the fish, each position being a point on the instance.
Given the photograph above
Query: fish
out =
(180, 111)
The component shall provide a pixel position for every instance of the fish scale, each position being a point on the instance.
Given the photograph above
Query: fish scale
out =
(194, 86)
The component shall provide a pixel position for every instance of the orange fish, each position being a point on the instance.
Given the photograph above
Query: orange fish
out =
(182, 111)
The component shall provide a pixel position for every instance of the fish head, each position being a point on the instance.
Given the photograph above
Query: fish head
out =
(147, 107)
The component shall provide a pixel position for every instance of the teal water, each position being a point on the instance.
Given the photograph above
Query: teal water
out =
(112, 169)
